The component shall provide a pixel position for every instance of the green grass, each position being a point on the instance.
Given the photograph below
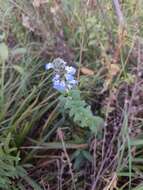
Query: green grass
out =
(33, 154)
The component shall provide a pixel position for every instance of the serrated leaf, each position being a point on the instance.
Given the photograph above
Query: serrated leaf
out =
(97, 125)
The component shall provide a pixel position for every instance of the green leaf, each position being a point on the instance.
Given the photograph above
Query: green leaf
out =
(87, 155)
(3, 52)
(125, 174)
(138, 142)
(18, 51)
(80, 112)
(19, 69)
(2, 35)
(97, 125)
(140, 187)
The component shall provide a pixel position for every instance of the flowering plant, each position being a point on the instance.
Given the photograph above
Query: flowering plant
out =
(64, 81)
(64, 75)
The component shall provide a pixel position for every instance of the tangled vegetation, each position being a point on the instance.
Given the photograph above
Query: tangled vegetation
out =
(71, 95)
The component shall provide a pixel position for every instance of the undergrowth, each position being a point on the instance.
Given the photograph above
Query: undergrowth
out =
(89, 137)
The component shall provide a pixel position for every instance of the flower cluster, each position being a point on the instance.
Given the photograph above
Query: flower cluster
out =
(64, 75)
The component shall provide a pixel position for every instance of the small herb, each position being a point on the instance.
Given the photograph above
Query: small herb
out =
(80, 111)
(65, 82)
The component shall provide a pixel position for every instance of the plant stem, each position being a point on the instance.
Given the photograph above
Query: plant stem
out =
(119, 13)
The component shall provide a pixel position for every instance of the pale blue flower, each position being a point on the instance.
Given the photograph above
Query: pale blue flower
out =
(64, 76)
(70, 70)
(49, 66)
(73, 82)
(59, 85)
(69, 77)
(56, 77)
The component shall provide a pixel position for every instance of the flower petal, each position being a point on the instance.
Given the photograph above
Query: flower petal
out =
(49, 66)
(69, 77)
(56, 77)
(59, 85)
(73, 82)
(70, 70)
